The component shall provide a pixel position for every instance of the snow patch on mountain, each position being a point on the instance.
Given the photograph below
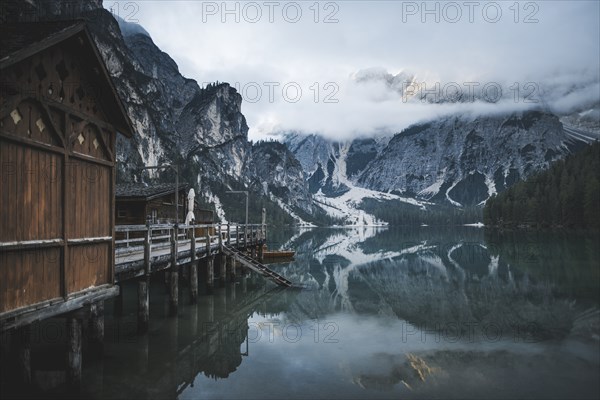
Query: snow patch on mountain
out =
(299, 221)
(347, 206)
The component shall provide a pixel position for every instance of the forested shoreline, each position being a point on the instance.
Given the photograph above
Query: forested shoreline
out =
(565, 195)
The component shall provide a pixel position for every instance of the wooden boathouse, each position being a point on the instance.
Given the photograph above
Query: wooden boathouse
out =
(139, 203)
(59, 118)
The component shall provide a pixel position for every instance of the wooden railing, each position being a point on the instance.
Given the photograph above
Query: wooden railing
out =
(139, 249)
(238, 234)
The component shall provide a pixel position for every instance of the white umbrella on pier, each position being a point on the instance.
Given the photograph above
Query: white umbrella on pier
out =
(190, 214)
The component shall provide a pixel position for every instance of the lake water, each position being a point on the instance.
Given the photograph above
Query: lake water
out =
(386, 313)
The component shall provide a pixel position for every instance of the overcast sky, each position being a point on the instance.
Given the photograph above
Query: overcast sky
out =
(338, 54)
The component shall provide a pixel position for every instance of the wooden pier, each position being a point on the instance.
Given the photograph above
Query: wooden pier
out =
(199, 252)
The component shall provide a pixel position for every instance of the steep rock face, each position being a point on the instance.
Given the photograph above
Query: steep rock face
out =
(332, 167)
(464, 161)
(282, 175)
(456, 160)
(175, 119)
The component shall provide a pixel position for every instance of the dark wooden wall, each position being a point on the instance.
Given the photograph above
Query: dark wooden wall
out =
(131, 212)
(134, 212)
(57, 180)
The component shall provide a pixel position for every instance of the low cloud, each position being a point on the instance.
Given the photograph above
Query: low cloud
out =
(346, 70)
(375, 101)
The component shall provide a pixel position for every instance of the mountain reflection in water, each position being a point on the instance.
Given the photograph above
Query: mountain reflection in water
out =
(387, 313)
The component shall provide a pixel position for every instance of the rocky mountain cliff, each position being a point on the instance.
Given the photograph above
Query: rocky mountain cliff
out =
(458, 161)
(464, 161)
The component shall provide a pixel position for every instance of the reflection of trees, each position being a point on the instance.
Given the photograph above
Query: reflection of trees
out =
(453, 298)
(447, 283)
(450, 278)
(567, 259)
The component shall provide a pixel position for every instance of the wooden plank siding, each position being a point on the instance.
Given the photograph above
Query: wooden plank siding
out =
(30, 202)
(29, 277)
(88, 210)
(88, 266)
(57, 181)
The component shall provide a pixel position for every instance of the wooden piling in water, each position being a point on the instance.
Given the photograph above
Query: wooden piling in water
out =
(232, 266)
(193, 276)
(209, 271)
(222, 269)
(210, 274)
(74, 354)
(118, 302)
(260, 253)
(21, 340)
(174, 276)
(174, 293)
(143, 317)
(96, 329)
(232, 293)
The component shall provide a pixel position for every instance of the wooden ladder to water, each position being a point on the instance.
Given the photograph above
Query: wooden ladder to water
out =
(256, 266)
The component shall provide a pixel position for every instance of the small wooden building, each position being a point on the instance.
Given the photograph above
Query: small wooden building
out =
(139, 203)
(59, 117)
(136, 203)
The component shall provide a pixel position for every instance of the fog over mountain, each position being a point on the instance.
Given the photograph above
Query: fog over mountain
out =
(349, 64)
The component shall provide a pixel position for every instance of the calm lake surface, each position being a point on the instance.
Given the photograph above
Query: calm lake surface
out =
(386, 313)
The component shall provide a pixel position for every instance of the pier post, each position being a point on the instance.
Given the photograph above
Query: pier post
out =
(209, 265)
(228, 234)
(220, 238)
(118, 302)
(143, 317)
(210, 274)
(232, 261)
(174, 276)
(96, 328)
(193, 269)
(74, 353)
(21, 340)
(260, 253)
(211, 309)
(232, 293)
(144, 286)
(222, 269)
(167, 278)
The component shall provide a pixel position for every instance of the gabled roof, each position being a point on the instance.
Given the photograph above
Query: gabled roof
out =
(19, 41)
(140, 191)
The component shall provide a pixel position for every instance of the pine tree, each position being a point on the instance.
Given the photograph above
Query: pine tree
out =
(567, 194)
(591, 202)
